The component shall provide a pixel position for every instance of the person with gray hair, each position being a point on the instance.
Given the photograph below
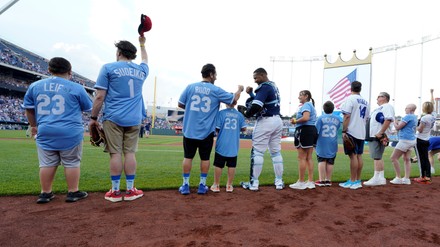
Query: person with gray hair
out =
(380, 124)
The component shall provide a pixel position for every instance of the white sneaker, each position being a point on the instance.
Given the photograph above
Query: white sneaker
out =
(299, 185)
(310, 185)
(215, 188)
(432, 170)
(382, 181)
(373, 182)
(396, 180)
(254, 185)
(279, 184)
(406, 181)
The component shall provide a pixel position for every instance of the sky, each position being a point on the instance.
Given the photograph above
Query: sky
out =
(238, 37)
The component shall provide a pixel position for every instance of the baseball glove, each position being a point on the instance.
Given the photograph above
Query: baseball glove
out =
(384, 140)
(97, 136)
(242, 109)
(348, 143)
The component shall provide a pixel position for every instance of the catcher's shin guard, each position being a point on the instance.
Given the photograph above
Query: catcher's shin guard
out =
(278, 166)
(257, 159)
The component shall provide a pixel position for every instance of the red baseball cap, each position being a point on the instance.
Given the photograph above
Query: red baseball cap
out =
(145, 25)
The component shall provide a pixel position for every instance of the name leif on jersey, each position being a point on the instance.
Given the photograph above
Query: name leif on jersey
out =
(52, 87)
(130, 72)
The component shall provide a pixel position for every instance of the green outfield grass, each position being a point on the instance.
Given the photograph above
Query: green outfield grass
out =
(159, 166)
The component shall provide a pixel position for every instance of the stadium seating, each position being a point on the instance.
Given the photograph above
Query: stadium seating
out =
(14, 55)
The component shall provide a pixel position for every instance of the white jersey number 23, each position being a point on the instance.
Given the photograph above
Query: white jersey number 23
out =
(200, 104)
(44, 101)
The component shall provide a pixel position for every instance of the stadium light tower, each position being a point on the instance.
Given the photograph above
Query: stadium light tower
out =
(7, 6)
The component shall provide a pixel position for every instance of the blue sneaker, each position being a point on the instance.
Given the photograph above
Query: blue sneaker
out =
(356, 185)
(184, 189)
(202, 189)
(346, 184)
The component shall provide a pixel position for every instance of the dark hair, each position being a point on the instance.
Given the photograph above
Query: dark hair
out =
(59, 65)
(127, 49)
(309, 95)
(260, 71)
(207, 69)
(356, 86)
(328, 107)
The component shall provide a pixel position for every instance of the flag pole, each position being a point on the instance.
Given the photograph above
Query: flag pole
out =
(421, 78)
(153, 119)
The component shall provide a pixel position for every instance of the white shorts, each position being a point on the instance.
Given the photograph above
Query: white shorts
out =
(69, 158)
(405, 145)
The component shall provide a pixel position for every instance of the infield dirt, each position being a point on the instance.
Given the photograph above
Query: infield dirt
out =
(391, 215)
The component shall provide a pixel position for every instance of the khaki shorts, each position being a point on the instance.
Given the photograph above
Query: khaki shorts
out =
(120, 139)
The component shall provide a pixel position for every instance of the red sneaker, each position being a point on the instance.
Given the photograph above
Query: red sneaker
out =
(423, 180)
(133, 194)
(320, 183)
(113, 196)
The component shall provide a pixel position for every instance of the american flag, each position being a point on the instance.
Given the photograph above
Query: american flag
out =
(342, 89)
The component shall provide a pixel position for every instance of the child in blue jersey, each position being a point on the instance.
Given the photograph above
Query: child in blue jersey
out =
(407, 141)
(119, 89)
(54, 109)
(327, 126)
(201, 101)
(305, 140)
(229, 124)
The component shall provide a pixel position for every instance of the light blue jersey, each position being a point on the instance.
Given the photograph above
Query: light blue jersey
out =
(58, 105)
(202, 102)
(327, 126)
(229, 122)
(409, 131)
(123, 82)
(307, 107)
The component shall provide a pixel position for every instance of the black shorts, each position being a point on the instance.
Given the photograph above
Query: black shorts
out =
(190, 147)
(220, 161)
(306, 136)
(330, 161)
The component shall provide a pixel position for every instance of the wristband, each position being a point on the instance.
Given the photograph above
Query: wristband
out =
(94, 118)
(142, 45)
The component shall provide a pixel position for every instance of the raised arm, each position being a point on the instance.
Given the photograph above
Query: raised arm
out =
(144, 55)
